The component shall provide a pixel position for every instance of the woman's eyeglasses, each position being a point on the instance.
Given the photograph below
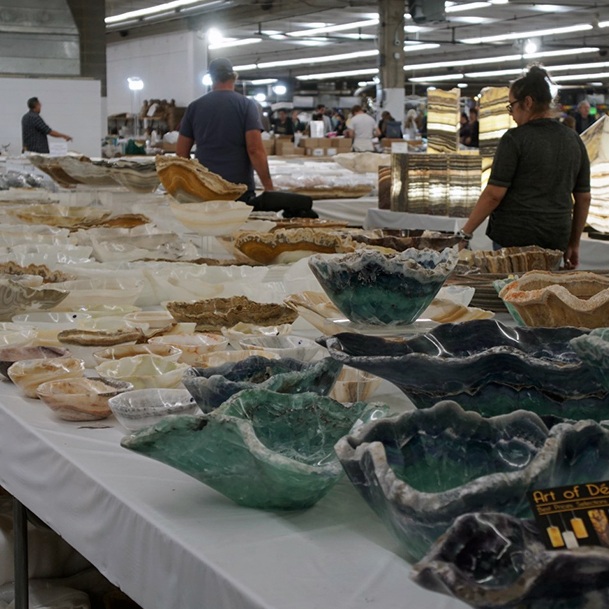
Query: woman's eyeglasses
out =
(510, 107)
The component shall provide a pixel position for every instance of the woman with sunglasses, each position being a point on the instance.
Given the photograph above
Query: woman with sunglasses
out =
(539, 189)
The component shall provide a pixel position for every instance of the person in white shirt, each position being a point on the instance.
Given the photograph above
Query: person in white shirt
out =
(362, 128)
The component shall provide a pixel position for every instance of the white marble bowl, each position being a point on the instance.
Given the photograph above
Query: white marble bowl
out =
(211, 217)
(120, 351)
(28, 374)
(144, 371)
(240, 331)
(353, 385)
(15, 335)
(296, 347)
(80, 399)
(144, 407)
(193, 346)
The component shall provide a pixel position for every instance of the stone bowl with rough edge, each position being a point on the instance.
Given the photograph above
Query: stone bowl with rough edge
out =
(383, 289)
(422, 469)
(495, 561)
(130, 350)
(80, 399)
(144, 407)
(484, 365)
(211, 387)
(10, 355)
(260, 449)
(295, 347)
(544, 299)
(593, 350)
(192, 346)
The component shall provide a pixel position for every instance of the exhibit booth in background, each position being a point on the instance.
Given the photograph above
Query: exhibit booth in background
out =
(71, 105)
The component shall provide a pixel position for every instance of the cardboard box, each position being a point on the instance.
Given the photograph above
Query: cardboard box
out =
(167, 147)
(315, 142)
(269, 146)
(342, 143)
(283, 147)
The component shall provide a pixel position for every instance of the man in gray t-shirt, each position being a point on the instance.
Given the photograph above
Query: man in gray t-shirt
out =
(226, 128)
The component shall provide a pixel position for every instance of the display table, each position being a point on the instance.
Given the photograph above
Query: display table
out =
(169, 541)
(353, 211)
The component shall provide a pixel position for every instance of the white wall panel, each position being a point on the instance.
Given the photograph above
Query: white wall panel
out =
(69, 105)
(164, 64)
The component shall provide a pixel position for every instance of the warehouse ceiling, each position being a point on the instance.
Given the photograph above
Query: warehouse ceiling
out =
(478, 43)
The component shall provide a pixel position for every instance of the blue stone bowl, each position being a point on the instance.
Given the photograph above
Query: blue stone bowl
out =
(260, 448)
(485, 366)
(593, 349)
(211, 387)
(496, 561)
(421, 470)
(383, 289)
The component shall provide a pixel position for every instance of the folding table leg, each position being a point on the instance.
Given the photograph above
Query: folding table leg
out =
(20, 554)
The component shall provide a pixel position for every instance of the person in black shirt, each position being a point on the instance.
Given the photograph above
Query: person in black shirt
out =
(34, 130)
(583, 118)
(473, 139)
(282, 125)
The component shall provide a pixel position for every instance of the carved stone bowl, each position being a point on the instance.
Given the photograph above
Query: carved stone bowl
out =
(260, 448)
(383, 289)
(496, 561)
(484, 365)
(211, 387)
(421, 470)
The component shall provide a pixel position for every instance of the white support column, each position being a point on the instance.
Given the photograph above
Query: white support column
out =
(197, 60)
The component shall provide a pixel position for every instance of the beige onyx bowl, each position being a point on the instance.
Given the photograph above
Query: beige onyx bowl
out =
(212, 218)
(12, 354)
(120, 351)
(144, 371)
(192, 346)
(354, 385)
(153, 320)
(217, 358)
(80, 399)
(29, 374)
(544, 299)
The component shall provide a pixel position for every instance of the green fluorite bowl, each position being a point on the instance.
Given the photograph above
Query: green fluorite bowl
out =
(261, 449)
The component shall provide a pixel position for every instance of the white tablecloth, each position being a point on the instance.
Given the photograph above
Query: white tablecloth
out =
(171, 542)
(353, 211)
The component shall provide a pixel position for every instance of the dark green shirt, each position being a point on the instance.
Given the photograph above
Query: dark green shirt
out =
(541, 163)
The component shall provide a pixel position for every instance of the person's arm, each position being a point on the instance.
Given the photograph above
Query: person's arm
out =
(488, 201)
(67, 138)
(184, 146)
(258, 159)
(580, 214)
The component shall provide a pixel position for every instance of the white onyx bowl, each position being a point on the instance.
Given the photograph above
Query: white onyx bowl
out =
(211, 217)
(107, 291)
(16, 335)
(80, 399)
(28, 374)
(120, 351)
(153, 320)
(296, 347)
(193, 346)
(144, 407)
(51, 320)
(49, 254)
(144, 371)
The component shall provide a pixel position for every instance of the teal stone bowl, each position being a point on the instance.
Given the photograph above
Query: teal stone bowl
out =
(383, 289)
(260, 448)
(421, 470)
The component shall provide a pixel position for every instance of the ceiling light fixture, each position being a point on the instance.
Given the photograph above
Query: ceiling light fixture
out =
(603, 24)
(233, 42)
(307, 60)
(364, 72)
(585, 77)
(561, 52)
(436, 78)
(335, 28)
(409, 48)
(468, 6)
(530, 46)
(135, 83)
(580, 27)
(280, 90)
(263, 81)
(462, 62)
(159, 8)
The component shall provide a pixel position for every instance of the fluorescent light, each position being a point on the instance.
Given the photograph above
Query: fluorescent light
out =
(581, 77)
(233, 42)
(550, 8)
(335, 28)
(462, 85)
(153, 10)
(308, 60)
(364, 72)
(436, 78)
(462, 62)
(278, 36)
(552, 69)
(530, 46)
(409, 48)
(280, 89)
(580, 27)
(214, 35)
(206, 80)
(468, 6)
(511, 72)
(135, 83)
(603, 24)
(263, 81)
(561, 53)
(260, 97)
